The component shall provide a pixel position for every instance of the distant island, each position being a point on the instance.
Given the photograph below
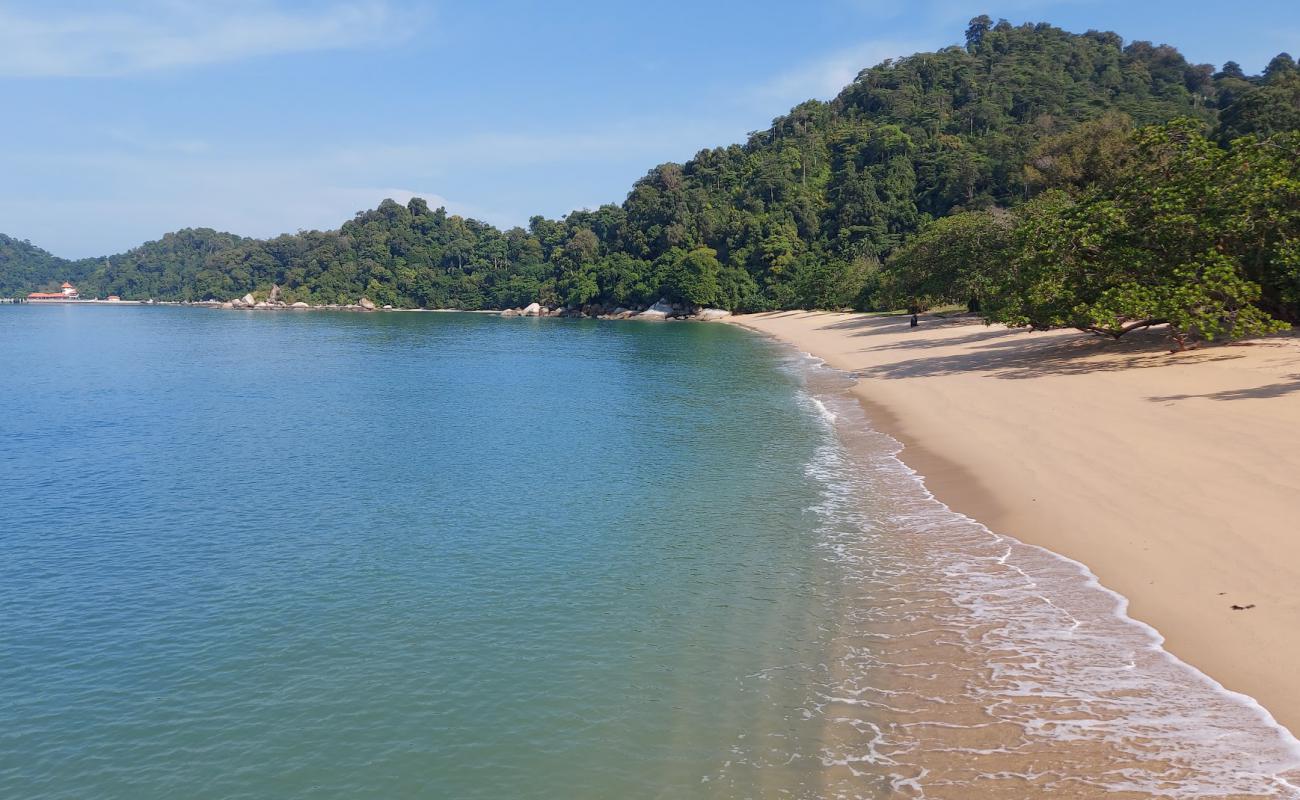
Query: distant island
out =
(1042, 178)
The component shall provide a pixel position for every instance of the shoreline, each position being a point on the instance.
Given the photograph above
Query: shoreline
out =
(655, 313)
(1176, 501)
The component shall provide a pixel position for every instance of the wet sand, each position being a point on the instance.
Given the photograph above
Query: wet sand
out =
(1174, 477)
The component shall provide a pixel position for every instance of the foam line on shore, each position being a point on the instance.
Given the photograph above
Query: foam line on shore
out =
(1218, 733)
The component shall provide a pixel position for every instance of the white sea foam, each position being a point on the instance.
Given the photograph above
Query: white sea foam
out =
(964, 657)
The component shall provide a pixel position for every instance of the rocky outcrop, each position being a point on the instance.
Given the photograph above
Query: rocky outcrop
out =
(709, 314)
(660, 310)
(274, 297)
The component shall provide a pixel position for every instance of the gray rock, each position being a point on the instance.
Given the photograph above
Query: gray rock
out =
(532, 310)
(510, 312)
(709, 314)
(660, 310)
(300, 304)
(274, 297)
(367, 304)
(249, 300)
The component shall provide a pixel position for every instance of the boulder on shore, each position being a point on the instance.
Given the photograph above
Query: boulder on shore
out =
(248, 300)
(660, 310)
(367, 304)
(708, 314)
(274, 297)
(532, 310)
(510, 312)
(300, 304)
(228, 304)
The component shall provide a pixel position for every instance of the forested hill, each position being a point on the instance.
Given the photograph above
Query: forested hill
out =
(164, 269)
(24, 267)
(803, 214)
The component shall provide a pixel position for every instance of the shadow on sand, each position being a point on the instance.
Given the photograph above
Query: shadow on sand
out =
(1011, 354)
(1280, 389)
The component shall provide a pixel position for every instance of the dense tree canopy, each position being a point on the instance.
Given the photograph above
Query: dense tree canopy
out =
(909, 188)
(24, 268)
(1185, 233)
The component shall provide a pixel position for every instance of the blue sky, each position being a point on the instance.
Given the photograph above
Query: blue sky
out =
(128, 119)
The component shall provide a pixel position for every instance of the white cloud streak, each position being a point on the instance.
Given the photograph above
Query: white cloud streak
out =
(824, 78)
(132, 186)
(157, 35)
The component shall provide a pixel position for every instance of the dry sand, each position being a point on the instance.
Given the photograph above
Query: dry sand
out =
(1175, 477)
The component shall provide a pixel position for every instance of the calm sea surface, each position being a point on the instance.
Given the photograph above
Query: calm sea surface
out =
(312, 555)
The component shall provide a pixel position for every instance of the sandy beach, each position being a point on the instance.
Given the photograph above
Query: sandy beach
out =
(1174, 477)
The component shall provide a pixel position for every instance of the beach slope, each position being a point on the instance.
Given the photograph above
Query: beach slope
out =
(1174, 477)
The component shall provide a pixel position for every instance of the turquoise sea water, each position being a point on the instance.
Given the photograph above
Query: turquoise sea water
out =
(340, 555)
(248, 555)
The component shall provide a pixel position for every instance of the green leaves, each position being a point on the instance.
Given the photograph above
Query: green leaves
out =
(691, 277)
(1175, 236)
(956, 259)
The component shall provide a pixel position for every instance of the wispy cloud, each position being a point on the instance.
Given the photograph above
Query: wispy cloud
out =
(132, 200)
(822, 79)
(132, 185)
(648, 139)
(45, 41)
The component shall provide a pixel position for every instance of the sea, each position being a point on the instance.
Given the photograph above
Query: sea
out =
(449, 555)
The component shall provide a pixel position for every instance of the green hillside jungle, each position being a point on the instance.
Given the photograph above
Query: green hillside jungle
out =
(1042, 178)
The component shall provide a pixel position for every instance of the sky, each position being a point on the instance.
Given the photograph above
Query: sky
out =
(127, 119)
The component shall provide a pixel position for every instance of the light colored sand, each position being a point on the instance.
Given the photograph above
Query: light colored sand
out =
(1176, 478)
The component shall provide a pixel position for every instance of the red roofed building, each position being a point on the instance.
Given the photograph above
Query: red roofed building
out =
(67, 292)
